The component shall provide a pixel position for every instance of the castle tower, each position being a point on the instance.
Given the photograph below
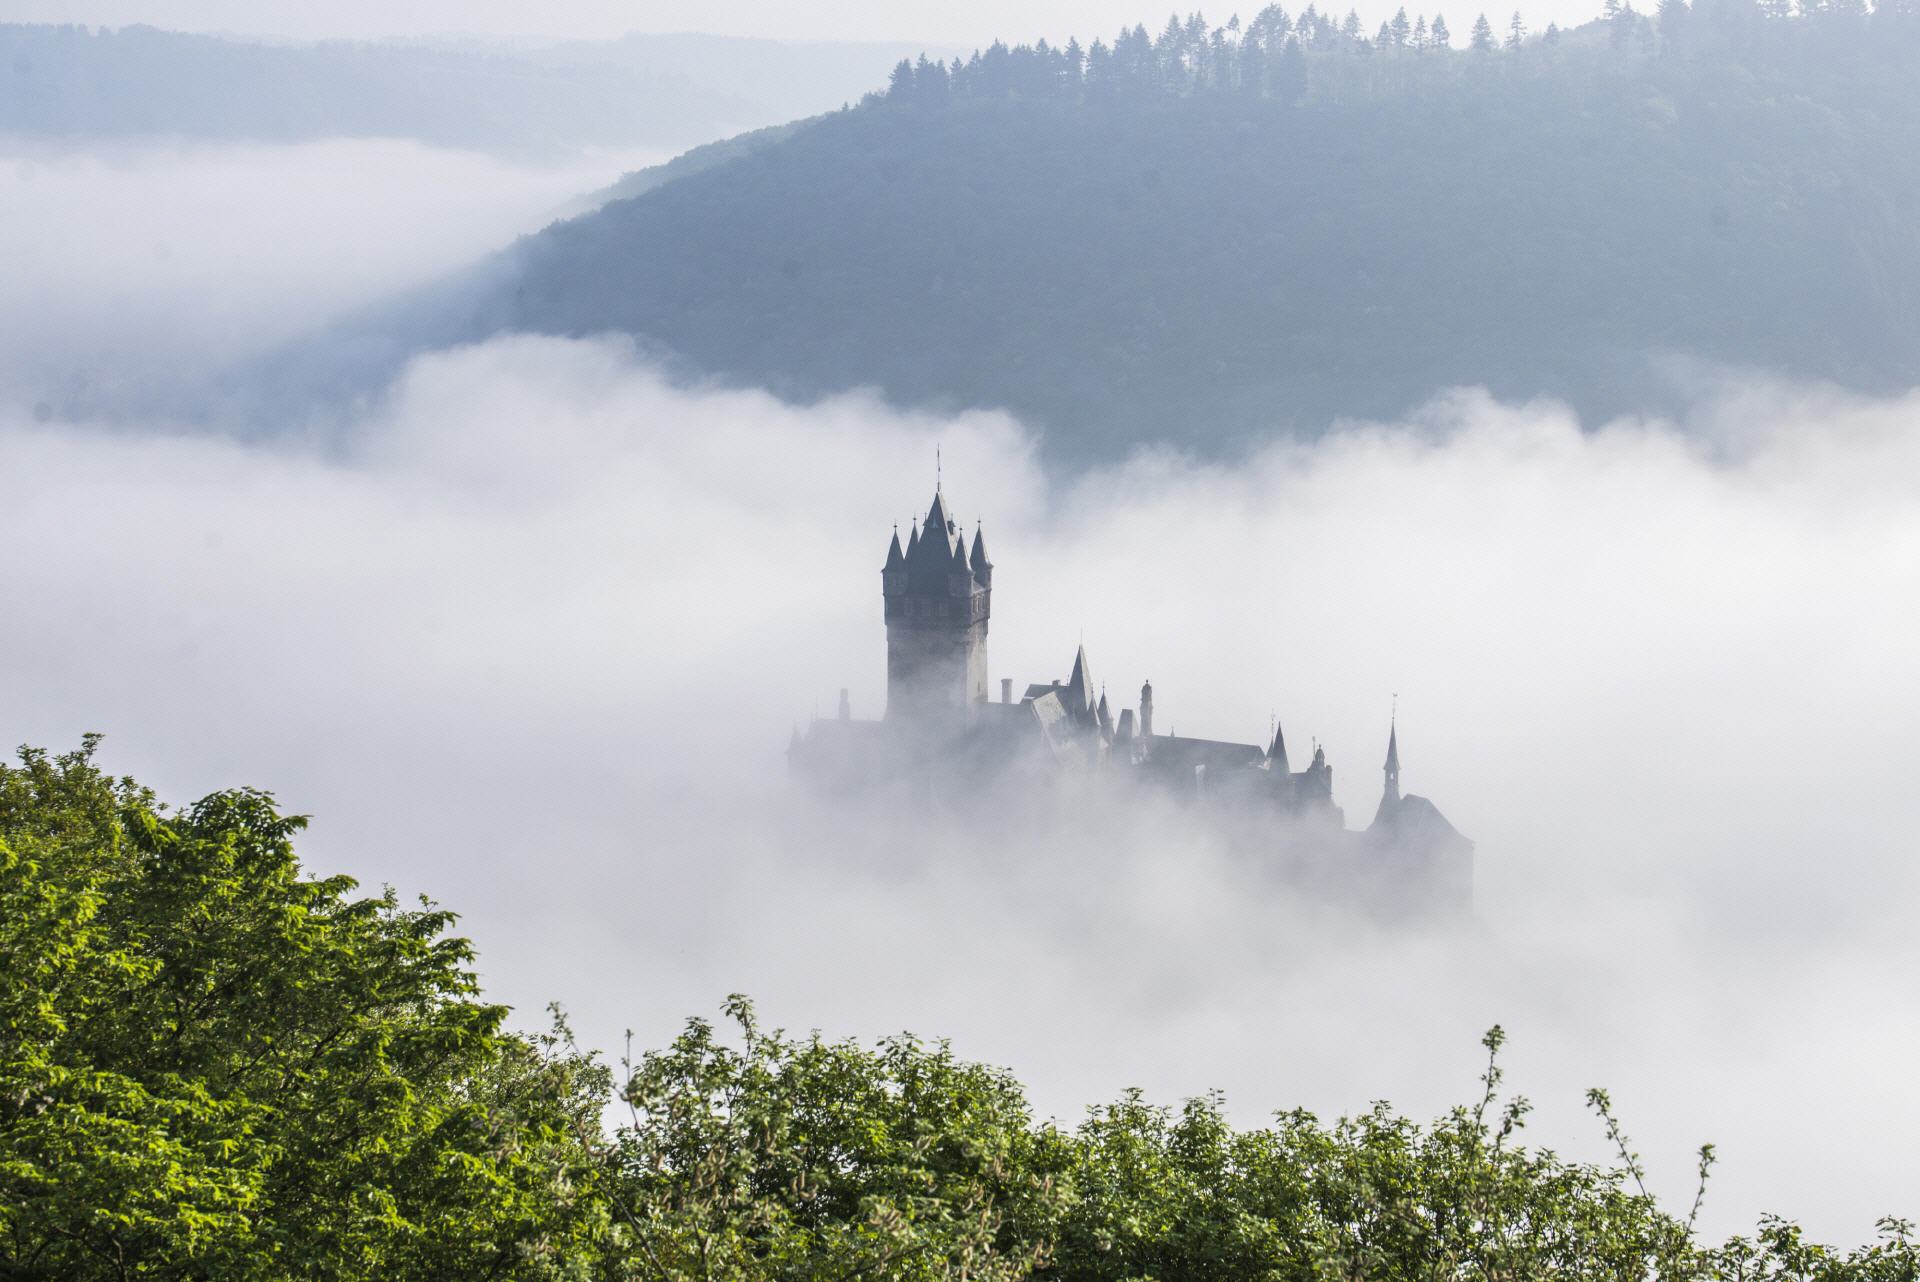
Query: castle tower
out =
(936, 595)
(1146, 709)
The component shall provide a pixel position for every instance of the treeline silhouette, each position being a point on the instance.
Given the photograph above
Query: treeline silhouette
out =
(1267, 56)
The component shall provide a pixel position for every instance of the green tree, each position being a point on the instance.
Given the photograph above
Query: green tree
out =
(1481, 40)
(212, 1067)
(801, 1158)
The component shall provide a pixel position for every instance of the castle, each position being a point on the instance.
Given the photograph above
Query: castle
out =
(945, 736)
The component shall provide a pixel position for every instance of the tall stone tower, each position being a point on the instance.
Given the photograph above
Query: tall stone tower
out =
(936, 593)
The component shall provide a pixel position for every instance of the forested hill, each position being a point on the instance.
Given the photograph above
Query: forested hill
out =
(1216, 231)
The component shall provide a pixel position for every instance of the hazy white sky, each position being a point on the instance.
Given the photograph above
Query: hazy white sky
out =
(962, 25)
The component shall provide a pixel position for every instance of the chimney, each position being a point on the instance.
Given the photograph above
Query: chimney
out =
(1006, 689)
(846, 705)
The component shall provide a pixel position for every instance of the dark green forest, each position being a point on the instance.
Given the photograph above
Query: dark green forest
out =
(1216, 231)
(214, 1065)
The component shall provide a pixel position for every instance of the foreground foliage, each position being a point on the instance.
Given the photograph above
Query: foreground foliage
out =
(212, 1067)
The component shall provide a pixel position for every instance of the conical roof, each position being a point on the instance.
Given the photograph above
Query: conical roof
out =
(1277, 754)
(913, 541)
(938, 517)
(1080, 684)
(894, 557)
(1393, 748)
(979, 559)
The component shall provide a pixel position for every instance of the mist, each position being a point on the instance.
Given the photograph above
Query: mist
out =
(136, 270)
(532, 638)
(601, 19)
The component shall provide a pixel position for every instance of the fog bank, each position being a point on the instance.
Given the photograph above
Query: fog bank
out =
(533, 641)
(135, 270)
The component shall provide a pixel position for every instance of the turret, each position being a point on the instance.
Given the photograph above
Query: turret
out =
(1277, 752)
(1146, 710)
(981, 566)
(893, 575)
(1319, 773)
(959, 574)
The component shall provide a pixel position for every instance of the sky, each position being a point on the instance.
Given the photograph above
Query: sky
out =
(945, 25)
(531, 636)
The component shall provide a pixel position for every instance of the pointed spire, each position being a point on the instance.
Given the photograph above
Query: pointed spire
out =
(938, 517)
(1277, 753)
(1080, 684)
(894, 557)
(913, 541)
(979, 558)
(1390, 794)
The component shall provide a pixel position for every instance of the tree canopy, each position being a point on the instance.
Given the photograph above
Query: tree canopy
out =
(215, 1067)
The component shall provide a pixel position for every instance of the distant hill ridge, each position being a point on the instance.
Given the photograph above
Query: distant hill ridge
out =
(1218, 232)
(77, 82)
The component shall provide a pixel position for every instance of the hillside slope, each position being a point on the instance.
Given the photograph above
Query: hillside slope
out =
(1201, 237)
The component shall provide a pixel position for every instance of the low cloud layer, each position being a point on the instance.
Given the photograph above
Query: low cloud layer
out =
(533, 639)
(134, 268)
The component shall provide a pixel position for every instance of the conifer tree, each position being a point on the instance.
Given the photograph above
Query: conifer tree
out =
(1516, 31)
(900, 83)
(1481, 41)
(1402, 29)
(1440, 37)
(1672, 17)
